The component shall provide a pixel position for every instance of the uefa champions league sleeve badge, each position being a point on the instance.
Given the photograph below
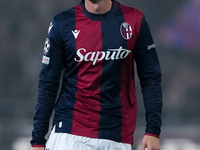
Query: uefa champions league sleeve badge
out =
(46, 46)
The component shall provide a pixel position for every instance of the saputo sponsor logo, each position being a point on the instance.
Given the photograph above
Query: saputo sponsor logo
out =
(110, 54)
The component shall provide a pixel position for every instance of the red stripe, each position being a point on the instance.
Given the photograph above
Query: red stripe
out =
(116, 5)
(37, 145)
(86, 111)
(128, 100)
(150, 134)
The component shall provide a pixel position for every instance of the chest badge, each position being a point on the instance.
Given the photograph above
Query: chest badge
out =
(126, 30)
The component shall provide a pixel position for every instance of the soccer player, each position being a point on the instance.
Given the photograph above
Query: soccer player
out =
(91, 49)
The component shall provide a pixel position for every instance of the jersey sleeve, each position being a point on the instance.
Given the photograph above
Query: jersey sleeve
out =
(52, 65)
(149, 73)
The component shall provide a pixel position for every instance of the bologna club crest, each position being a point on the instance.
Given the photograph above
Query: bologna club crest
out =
(126, 30)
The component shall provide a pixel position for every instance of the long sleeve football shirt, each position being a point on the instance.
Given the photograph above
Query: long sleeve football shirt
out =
(96, 52)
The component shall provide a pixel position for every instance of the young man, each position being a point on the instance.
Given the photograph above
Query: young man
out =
(95, 44)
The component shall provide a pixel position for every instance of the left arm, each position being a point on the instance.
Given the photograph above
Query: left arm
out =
(149, 73)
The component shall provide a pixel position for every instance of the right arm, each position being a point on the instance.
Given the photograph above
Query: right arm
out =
(52, 65)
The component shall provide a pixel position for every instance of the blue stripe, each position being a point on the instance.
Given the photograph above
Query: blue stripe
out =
(67, 98)
(110, 102)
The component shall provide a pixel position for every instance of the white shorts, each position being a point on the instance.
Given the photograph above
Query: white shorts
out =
(65, 141)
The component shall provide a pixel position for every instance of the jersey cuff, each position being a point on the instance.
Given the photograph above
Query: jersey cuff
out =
(38, 145)
(150, 134)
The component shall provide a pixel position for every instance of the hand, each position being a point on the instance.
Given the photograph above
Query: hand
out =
(37, 148)
(150, 142)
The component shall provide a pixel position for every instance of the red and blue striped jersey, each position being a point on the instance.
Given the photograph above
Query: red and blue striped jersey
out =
(96, 54)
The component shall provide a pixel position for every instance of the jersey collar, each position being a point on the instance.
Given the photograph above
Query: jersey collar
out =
(98, 17)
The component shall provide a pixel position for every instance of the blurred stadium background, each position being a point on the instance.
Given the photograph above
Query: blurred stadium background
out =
(175, 26)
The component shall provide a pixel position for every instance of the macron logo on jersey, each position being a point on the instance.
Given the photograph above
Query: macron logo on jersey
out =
(50, 27)
(110, 54)
(75, 33)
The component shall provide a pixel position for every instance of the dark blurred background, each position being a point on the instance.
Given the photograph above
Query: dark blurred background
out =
(175, 26)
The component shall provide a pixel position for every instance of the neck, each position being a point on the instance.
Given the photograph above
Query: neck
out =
(98, 6)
